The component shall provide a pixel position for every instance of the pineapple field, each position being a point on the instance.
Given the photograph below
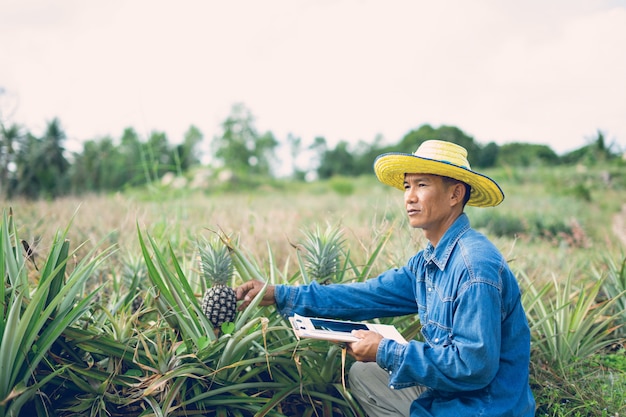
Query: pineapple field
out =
(122, 304)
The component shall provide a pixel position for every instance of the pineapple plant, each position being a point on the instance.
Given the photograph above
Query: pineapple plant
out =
(322, 253)
(219, 302)
(134, 276)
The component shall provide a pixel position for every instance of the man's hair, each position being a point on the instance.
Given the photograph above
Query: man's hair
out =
(451, 181)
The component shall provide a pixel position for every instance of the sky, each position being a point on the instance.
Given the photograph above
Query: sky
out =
(549, 72)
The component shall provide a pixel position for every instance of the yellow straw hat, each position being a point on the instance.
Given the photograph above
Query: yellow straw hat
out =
(442, 158)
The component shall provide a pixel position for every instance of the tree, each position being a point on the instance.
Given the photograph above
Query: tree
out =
(365, 154)
(9, 138)
(85, 170)
(185, 154)
(240, 147)
(600, 151)
(105, 166)
(489, 155)
(54, 167)
(264, 154)
(41, 167)
(133, 161)
(526, 154)
(26, 161)
(158, 155)
(295, 149)
(339, 161)
(414, 138)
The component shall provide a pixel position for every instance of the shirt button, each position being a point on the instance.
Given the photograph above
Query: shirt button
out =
(436, 340)
(429, 289)
(391, 386)
(390, 372)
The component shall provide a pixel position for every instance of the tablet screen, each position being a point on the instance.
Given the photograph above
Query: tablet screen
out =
(337, 326)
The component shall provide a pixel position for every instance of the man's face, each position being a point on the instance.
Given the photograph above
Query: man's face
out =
(428, 202)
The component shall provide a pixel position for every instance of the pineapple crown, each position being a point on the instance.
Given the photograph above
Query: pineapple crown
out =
(321, 253)
(216, 265)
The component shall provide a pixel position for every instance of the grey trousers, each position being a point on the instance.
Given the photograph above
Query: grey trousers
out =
(369, 384)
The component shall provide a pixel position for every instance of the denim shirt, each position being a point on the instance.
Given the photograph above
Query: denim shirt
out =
(476, 351)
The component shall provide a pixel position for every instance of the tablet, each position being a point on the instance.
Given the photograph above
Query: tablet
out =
(338, 330)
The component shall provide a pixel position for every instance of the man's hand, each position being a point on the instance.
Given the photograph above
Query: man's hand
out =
(248, 290)
(365, 349)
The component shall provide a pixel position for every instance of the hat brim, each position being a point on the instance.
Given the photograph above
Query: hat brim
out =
(390, 169)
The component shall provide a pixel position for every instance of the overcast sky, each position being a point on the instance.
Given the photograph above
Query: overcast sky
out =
(538, 71)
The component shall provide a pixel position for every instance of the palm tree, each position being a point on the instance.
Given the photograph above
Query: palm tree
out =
(8, 140)
(41, 167)
(54, 166)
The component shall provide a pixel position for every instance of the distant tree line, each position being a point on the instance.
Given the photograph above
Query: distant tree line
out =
(41, 167)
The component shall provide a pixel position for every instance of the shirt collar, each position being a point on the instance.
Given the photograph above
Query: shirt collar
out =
(441, 254)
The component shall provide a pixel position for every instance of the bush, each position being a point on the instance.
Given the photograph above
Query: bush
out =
(498, 223)
(342, 186)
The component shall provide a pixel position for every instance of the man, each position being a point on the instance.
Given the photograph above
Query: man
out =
(475, 356)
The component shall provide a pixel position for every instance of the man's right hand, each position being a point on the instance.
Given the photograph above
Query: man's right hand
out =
(248, 290)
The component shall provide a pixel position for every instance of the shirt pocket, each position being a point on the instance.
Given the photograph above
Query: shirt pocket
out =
(436, 336)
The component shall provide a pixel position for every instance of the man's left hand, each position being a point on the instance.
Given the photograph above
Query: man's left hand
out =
(365, 349)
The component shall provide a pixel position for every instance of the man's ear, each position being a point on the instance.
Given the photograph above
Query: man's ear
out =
(458, 193)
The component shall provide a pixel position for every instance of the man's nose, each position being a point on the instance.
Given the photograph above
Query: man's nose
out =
(410, 196)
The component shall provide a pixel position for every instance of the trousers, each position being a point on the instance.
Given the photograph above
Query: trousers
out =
(369, 385)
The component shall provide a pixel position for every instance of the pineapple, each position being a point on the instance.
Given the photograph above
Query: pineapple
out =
(219, 302)
(137, 302)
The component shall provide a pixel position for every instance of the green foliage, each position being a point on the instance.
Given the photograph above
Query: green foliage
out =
(584, 388)
(346, 160)
(614, 288)
(251, 367)
(216, 264)
(411, 141)
(32, 320)
(526, 154)
(40, 165)
(554, 229)
(338, 161)
(185, 154)
(568, 323)
(596, 152)
(241, 148)
(616, 360)
(580, 191)
(573, 372)
(177, 302)
(500, 224)
(9, 141)
(36, 167)
(125, 358)
(319, 255)
(341, 185)
(488, 156)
